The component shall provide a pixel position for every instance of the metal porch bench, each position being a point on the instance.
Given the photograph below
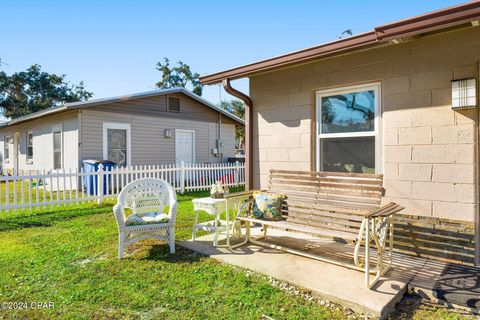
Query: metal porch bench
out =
(334, 205)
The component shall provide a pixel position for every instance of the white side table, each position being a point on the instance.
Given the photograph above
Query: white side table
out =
(213, 207)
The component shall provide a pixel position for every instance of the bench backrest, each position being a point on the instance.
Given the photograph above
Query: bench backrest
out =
(334, 200)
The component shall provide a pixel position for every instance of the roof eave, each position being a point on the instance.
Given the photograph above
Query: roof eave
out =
(93, 103)
(436, 20)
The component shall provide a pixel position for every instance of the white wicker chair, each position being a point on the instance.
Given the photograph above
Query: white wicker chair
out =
(145, 196)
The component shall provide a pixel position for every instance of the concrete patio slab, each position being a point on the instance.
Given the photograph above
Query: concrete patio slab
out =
(337, 284)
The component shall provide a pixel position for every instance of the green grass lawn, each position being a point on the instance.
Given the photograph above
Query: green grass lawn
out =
(67, 255)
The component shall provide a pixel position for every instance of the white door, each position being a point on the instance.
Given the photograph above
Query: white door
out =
(184, 146)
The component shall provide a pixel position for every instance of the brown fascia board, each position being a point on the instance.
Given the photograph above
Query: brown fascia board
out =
(440, 19)
(435, 20)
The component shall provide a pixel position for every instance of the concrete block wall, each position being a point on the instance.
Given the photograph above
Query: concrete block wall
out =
(428, 151)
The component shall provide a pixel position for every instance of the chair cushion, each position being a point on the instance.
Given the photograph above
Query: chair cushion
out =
(146, 218)
(268, 206)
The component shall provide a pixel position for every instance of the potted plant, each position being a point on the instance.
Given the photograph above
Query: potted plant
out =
(218, 191)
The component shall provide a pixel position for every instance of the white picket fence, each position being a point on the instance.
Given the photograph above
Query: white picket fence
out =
(67, 187)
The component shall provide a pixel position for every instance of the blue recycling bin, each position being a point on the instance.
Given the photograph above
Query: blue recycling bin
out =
(90, 181)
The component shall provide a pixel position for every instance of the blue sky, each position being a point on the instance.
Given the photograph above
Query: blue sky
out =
(114, 45)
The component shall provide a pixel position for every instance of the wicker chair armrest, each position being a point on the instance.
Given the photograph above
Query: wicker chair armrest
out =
(172, 211)
(386, 210)
(119, 215)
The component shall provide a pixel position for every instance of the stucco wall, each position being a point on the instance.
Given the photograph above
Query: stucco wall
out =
(428, 151)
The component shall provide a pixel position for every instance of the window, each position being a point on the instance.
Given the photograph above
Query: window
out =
(116, 143)
(347, 128)
(7, 141)
(173, 104)
(57, 147)
(29, 153)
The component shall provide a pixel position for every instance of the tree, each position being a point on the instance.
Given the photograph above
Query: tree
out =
(179, 75)
(237, 108)
(33, 90)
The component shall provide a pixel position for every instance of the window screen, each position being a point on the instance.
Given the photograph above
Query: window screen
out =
(117, 146)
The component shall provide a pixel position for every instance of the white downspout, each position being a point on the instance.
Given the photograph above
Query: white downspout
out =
(220, 136)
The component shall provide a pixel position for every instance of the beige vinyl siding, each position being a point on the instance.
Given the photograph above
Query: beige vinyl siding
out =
(148, 119)
(157, 107)
(43, 142)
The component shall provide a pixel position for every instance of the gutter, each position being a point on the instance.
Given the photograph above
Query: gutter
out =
(248, 130)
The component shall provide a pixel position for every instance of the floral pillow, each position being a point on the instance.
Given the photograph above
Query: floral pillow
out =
(146, 218)
(268, 206)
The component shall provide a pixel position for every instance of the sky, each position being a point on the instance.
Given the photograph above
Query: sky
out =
(113, 46)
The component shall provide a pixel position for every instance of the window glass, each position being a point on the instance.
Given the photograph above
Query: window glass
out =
(29, 146)
(348, 112)
(117, 146)
(353, 154)
(57, 150)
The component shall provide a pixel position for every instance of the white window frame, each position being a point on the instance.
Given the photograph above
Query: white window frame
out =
(28, 161)
(193, 142)
(120, 126)
(6, 146)
(377, 89)
(57, 128)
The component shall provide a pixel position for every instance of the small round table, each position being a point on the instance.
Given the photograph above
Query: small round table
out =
(213, 207)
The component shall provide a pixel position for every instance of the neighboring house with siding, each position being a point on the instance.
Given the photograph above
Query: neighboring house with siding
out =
(383, 101)
(157, 127)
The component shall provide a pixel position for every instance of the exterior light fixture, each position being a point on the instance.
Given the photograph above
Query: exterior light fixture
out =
(464, 94)
(168, 133)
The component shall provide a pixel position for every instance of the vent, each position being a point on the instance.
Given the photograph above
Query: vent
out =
(173, 104)
(464, 94)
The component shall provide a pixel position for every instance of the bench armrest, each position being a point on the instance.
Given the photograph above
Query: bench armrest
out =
(242, 193)
(385, 210)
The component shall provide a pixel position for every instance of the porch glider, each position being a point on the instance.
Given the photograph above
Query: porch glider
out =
(330, 204)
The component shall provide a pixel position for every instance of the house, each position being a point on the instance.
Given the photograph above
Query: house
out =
(157, 127)
(401, 100)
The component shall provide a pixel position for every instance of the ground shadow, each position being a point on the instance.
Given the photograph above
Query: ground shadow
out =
(162, 252)
(47, 218)
(459, 284)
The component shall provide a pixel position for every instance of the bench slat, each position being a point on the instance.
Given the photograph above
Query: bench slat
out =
(328, 173)
(345, 180)
(301, 228)
(318, 215)
(313, 219)
(331, 183)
